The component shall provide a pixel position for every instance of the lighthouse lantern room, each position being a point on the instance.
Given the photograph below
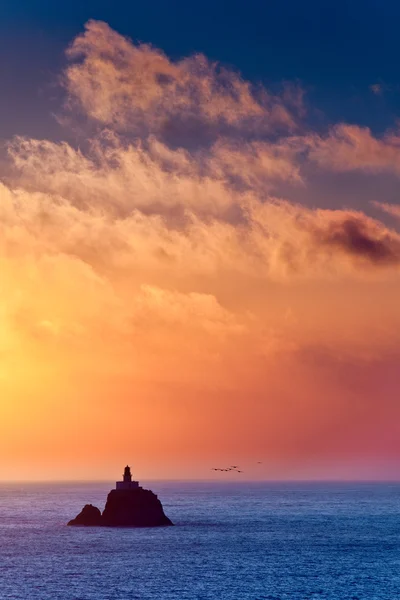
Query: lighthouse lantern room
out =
(127, 483)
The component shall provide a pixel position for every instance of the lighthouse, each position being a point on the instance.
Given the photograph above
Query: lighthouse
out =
(129, 505)
(127, 483)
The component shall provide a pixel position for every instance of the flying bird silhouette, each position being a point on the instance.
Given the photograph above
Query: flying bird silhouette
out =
(234, 468)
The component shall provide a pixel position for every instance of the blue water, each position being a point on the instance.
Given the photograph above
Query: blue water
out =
(231, 541)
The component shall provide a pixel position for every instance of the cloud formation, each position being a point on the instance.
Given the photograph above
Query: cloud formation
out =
(130, 87)
(359, 237)
(350, 148)
(170, 250)
(391, 209)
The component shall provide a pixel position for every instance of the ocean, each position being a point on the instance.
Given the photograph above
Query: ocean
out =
(232, 541)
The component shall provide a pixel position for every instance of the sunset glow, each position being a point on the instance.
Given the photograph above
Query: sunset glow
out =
(196, 273)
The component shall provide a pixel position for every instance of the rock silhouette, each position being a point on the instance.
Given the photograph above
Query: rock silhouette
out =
(90, 516)
(129, 505)
(134, 508)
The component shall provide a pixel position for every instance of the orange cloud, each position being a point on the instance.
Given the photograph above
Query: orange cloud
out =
(177, 283)
(127, 86)
(391, 209)
(350, 147)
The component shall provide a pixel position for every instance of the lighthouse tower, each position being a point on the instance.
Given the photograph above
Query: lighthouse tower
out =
(127, 483)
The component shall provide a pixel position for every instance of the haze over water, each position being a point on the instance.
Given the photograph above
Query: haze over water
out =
(244, 541)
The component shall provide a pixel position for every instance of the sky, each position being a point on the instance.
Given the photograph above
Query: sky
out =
(200, 240)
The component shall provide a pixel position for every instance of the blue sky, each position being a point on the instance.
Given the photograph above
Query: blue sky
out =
(336, 50)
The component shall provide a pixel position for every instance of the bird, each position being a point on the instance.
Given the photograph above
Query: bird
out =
(234, 468)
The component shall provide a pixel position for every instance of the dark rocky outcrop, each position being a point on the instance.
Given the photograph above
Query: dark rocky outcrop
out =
(90, 516)
(135, 507)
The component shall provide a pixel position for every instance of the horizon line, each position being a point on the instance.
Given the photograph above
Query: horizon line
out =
(198, 480)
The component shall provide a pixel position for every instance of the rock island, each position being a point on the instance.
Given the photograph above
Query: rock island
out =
(128, 505)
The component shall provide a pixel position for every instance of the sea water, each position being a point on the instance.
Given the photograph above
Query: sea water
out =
(255, 541)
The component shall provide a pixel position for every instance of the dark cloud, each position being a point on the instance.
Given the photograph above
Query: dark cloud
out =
(359, 238)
